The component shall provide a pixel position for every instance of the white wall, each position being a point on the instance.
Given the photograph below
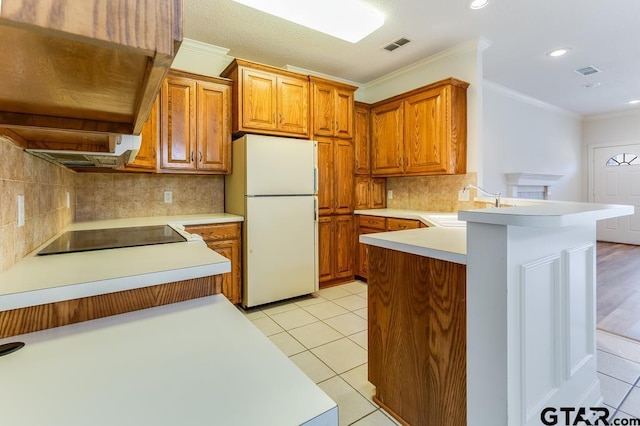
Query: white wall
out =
(525, 135)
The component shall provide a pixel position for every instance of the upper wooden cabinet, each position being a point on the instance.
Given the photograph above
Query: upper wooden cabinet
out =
(195, 131)
(362, 141)
(268, 100)
(422, 132)
(335, 176)
(147, 158)
(86, 66)
(332, 105)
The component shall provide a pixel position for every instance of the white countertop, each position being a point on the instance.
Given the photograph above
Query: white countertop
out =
(35, 280)
(449, 244)
(199, 362)
(546, 215)
(429, 218)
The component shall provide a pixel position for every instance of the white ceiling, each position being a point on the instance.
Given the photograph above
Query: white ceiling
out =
(601, 33)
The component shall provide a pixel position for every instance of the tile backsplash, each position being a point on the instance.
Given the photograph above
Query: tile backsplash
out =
(44, 186)
(431, 193)
(114, 195)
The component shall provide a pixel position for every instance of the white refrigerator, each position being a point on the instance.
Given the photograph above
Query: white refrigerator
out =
(274, 185)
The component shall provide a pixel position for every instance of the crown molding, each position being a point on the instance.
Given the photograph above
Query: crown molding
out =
(629, 113)
(299, 70)
(196, 46)
(497, 88)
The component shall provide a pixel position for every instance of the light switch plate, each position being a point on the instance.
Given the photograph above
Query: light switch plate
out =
(168, 197)
(68, 200)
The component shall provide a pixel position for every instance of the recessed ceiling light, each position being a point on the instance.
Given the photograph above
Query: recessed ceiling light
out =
(559, 52)
(478, 4)
(591, 85)
(349, 20)
(634, 102)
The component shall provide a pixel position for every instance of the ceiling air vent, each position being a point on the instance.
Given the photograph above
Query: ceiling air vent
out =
(588, 70)
(398, 43)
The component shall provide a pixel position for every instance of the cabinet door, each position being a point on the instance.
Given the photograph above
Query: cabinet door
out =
(378, 193)
(343, 176)
(258, 100)
(395, 224)
(231, 286)
(325, 176)
(362, 195)
(361, 141)
(214, 134)
(178, 118)
(323, 109)
(325, 248)
(146, 160)
(343, 114)
(293, 105)
(363, 253)
(344, 253)
(386, 139)
(425, 136)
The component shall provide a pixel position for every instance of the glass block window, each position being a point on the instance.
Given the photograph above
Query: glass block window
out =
(625, 159)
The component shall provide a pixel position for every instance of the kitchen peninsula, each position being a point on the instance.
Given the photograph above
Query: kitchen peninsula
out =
(40, 292)
(491, 331)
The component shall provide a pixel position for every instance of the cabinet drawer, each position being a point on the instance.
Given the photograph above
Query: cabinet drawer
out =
(394, 224)
(374, 222)
(219, 232)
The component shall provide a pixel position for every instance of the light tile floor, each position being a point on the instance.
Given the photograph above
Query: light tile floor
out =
(325, 335)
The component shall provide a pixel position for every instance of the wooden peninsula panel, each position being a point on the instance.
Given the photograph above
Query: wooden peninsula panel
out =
(417, 337)
(34, 318)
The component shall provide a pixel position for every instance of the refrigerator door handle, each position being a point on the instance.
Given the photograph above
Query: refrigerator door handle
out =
(315, 180)
(315, 209)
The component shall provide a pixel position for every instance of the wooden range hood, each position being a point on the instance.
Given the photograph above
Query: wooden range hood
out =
(90, 67)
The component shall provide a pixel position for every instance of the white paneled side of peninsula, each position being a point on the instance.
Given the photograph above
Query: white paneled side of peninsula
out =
(531, 310)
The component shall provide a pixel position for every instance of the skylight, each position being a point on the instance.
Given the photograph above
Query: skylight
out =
(349, 20)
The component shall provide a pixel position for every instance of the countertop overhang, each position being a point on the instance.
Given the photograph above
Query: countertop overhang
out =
(169, 365)
(37, 280)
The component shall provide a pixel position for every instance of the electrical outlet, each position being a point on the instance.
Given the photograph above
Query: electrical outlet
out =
(68, 200)
(21, 218)
(463, 195)
(168, 197)
(390, 194)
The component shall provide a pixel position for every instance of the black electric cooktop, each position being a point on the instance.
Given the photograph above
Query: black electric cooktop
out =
(100, 239)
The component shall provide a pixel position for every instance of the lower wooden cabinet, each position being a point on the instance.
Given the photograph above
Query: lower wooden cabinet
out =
(225, 239)
(372, 224)
(335, 248)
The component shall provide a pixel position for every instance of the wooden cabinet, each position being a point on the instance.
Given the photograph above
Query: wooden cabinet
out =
(335, 176)
(268, 100)
(225, 239)
(85, 66)
(147, 158)
(422, 132)
(370, 193)
(335, 248)
(333, 107)
(362, 140)
(195, 130)
(372, 224)
(423, 301)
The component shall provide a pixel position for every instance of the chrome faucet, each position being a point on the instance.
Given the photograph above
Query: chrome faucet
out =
(492, 194)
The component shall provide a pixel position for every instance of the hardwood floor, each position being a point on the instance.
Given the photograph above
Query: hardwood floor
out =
(618, 289)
